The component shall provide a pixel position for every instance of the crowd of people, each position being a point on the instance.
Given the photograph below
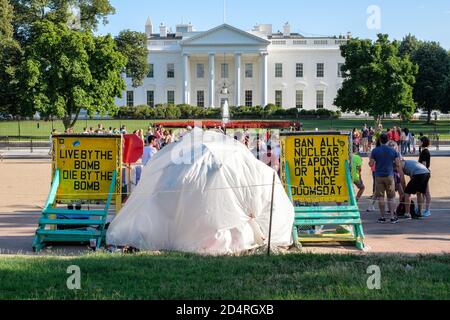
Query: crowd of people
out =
(366, 138)
(389, 169)
(386, 151)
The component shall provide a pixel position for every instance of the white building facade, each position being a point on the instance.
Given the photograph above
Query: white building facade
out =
(256, 68)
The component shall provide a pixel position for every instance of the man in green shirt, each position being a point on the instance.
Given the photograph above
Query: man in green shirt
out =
(356, 173)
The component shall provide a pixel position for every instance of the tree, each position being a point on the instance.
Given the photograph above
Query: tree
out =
(90, 13)
(376, 79)
(133, 45)
(69, 70)
(431, 81)
(10, 55)
(409, 45)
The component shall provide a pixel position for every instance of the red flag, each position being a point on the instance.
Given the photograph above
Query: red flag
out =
(134, 148)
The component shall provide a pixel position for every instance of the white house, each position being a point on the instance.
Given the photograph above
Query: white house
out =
(245, 68)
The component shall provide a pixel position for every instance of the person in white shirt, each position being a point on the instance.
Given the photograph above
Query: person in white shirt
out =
(270, 158)
(150, 150)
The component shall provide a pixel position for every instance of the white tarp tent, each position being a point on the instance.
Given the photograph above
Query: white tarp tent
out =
(204, 194)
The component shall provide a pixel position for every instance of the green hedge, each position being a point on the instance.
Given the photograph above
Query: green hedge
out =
(183, 111)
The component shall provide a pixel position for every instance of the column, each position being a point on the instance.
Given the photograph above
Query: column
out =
(237, 74)
(264, 72)
(212, 79)
(186, 68)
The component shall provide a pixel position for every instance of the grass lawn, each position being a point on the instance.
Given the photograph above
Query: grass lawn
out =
(182, 276)
(30, 128)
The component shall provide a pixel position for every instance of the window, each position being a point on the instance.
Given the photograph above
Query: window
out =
(249, 70)
(200, 71)
(320, 70)
(171, 97)
(319, 99)
(248, 98)
(151, 98)
(299, 70)
(340, 72)
(170, 70)
(279, 98)
(201, 98)
(278, 70)
(299, 99)
(150, 71)
(224, 70)
(128, 73)
(130, 98)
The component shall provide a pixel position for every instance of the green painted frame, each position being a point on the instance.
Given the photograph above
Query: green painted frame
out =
(91, 218)
(347, 215)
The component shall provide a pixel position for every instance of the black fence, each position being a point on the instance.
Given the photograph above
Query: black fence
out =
(24, 142)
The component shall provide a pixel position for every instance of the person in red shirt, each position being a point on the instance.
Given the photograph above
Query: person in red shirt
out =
(396, 135)
(390, 135)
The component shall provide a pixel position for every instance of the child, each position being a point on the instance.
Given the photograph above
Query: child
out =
(356, 172)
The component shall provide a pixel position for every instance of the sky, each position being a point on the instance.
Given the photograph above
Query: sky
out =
(427, 20)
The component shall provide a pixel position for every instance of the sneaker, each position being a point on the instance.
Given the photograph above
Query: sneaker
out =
(382, 220)
(426, 214)
(394, 220)
(405, 217)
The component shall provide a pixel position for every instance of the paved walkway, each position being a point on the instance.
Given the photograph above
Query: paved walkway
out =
(25, 185)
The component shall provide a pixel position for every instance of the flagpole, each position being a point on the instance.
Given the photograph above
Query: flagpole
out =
(224, 11)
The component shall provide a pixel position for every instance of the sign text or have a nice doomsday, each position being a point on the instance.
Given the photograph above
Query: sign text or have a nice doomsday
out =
(320, 161)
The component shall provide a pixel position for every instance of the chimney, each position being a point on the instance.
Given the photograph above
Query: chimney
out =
(163, 30)
(349, 35)
(149, 27)
(287, 29)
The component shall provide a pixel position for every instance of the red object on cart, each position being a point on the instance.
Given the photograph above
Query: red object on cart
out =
(133, 149)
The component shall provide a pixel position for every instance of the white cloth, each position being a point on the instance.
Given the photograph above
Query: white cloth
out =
(216, 199)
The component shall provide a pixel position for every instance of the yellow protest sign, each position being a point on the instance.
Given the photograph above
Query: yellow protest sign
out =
(316, 166)
(86, 165)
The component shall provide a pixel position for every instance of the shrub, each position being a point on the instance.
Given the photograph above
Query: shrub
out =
(184, 111)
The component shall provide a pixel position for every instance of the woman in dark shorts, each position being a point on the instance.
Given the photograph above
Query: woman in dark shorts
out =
(425, 159)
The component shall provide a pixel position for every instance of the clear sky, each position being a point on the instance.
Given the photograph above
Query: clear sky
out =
(427, 19)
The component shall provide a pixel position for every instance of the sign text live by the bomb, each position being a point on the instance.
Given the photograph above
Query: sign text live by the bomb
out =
(86, 166)
(317, 167)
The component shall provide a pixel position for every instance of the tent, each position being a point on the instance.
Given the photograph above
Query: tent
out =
(205, 194)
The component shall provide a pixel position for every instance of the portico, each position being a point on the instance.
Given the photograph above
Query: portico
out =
(225, 50)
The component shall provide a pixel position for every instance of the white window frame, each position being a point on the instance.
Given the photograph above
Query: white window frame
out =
(200, 70)
(318, 106)
(299, 69)
(249, 98)
(130, 98)
(170, 70)
(249, 70)
(151, 71)
(201, 98)
(279, 103)
(168, 98)
(299, 98)
(317, 70)
(151, 102)
(278, 70)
